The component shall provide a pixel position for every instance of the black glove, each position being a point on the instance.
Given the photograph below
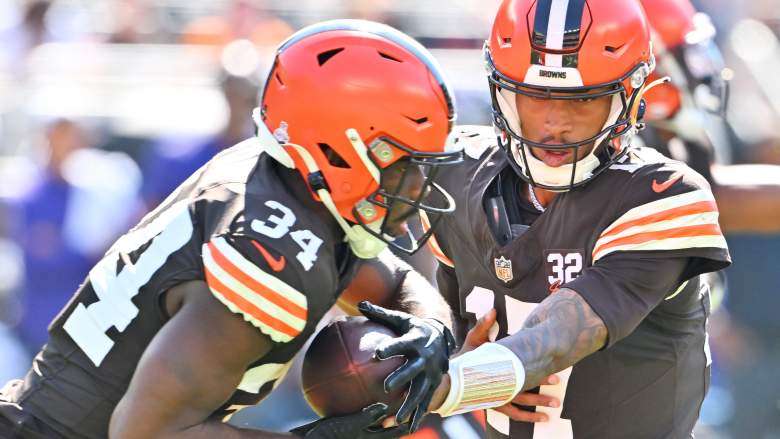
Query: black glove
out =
(427, 345)
(361, 425)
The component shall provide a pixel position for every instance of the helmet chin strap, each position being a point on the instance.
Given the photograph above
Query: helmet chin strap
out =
(363, 244)
(537, 169)
(562, 175)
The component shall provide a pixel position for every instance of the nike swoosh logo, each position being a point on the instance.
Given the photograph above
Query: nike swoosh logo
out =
(660, 187)
(276, 265)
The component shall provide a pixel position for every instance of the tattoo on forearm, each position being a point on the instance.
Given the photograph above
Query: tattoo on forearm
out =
(562, 330)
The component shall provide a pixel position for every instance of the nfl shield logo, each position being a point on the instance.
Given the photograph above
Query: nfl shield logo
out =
(503, 268)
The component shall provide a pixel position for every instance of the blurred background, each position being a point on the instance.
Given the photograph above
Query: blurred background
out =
(106, 106)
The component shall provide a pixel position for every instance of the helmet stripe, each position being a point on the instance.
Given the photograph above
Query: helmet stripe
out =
(555, 30)
(571, 37)
(541, 19)
(557, 26)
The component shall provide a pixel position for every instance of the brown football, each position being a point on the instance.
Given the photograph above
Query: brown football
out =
(340, 375)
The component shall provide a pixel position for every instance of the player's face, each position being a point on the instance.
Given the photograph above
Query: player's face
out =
(409, 186)
(555, 121)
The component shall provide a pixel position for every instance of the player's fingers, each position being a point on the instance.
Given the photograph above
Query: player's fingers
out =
(480, 333)
(403, 345)
(535, 399)
(517, 414)
(389, 422)
(417, 392)
(551, 380)
(373, 413)
(399, 377)
(420, 412)
(387, 317)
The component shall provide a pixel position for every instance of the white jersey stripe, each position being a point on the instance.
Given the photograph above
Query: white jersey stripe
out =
(667, 244)
(661, 205)
(275, 335)
(248, 294)
(253, 271)
(682, 221)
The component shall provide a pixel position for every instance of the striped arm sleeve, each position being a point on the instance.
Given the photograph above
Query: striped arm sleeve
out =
(684, 221)
(262, 299)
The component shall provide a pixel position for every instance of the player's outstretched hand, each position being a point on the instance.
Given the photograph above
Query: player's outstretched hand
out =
(427, 345)
(529, 399)
(361, 425)
(480, 334)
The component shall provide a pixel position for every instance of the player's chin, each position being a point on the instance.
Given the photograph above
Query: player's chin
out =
(396, 229)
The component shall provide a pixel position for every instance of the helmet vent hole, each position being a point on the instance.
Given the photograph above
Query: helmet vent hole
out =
(390, 57)
(613, 49)
(324, 57)
(333, 157)
(419, 121)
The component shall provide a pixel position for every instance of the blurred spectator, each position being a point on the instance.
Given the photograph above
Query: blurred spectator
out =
(743, 335)
(170, 161)
(23, 30)
(243, 19)
(135, 22)
(76, 206)
(375, 10)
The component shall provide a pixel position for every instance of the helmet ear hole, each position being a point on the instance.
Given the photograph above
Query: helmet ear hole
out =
(333, 157)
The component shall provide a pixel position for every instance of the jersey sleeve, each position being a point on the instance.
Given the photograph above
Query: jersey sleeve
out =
(666, 232)
(623, 289)
(667, 210)
(253, 279)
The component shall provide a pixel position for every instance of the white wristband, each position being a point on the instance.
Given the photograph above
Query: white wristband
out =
(489, 376)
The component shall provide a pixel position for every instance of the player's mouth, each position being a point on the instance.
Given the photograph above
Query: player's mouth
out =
(554, 158)
(396, 225)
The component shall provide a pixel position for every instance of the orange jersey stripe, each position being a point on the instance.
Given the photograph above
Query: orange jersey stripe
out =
(480, 417)
(690, 209)
(433, 244)
(679, 232)
(248, 307)
(269, 294)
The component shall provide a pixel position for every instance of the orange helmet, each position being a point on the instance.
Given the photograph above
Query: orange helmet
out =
(349, 98)
(686, 52)
(568, 49)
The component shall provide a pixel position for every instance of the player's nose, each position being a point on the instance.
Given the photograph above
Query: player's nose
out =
(558, 120)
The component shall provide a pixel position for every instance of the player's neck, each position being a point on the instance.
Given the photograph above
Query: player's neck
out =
(544, 197)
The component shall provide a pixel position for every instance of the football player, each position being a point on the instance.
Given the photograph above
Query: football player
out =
(680, 117)
(589, 250)
(197, 311)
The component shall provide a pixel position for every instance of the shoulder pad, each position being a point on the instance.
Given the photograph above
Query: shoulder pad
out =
(474, 139)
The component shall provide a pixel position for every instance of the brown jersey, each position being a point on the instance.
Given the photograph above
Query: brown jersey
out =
(267, 251)
(632, 243)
